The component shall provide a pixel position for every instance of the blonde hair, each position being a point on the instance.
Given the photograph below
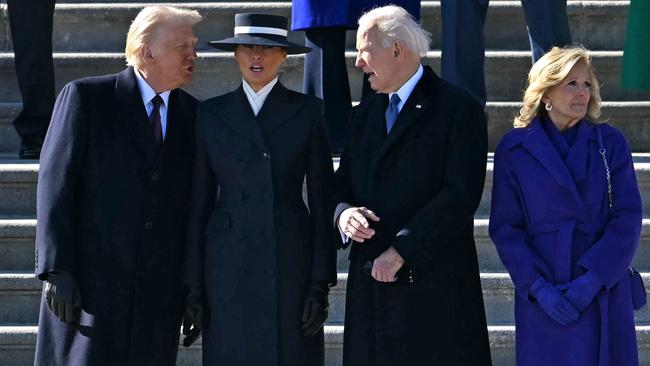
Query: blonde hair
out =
(396, 24)
(146, 23)
(548, 72)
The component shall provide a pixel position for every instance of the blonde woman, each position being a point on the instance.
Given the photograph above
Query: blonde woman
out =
(566, 239)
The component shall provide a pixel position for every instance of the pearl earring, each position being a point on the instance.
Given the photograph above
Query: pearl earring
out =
(548, 107)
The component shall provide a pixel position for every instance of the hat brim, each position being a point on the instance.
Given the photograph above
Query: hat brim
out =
(230, 44)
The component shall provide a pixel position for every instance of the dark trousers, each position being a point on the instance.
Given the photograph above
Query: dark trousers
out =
(463, 40)
(326, 77)
(31, 33)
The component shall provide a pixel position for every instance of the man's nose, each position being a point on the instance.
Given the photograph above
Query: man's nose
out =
(359, 61)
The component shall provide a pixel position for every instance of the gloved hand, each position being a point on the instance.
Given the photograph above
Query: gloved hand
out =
(553, 303)
(316, 308)
(581, 291)
(62, 296)
(193, 318)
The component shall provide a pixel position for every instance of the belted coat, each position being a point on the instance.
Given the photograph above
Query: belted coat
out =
(550, 218)
(112, 209)
(254, 246)
(426, 176)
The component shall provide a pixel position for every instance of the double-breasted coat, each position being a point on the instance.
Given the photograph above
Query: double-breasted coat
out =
(306, 14)
(550, 218)
(254, 247)
(112, 210)
(425, 176)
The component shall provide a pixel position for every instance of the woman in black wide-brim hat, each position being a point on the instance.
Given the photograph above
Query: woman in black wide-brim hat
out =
(260, 263)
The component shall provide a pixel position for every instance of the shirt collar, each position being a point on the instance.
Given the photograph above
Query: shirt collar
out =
(147, 91)
(262, 93)
(407, 88)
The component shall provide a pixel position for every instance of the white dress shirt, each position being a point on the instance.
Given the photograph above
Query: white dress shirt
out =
(147, 95)
(257, 99)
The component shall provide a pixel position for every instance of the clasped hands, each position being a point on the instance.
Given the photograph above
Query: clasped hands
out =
(564, 302)
(354, 223)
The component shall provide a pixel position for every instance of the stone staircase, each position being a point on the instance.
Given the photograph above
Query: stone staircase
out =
(89, 39)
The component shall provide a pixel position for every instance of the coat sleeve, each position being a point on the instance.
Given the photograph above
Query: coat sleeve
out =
(610, 257)
(60, 171)
(320, 177)
(508, 226)
(451, 210)
(204, 185)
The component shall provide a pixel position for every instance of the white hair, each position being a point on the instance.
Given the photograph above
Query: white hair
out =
(144, 27)
(396, 24)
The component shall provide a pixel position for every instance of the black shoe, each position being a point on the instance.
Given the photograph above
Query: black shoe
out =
(29, 153)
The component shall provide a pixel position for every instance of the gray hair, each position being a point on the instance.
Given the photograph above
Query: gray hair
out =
(145, 24)
(396, 24)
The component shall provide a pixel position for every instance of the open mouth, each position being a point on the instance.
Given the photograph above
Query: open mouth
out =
(256, 68)
(189, 68)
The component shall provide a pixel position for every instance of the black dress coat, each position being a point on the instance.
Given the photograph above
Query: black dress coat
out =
(112, 209)
(253, 244)
(425, 176)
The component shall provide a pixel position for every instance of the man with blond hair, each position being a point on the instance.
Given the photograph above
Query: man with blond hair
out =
(409, 182)
(112, 196)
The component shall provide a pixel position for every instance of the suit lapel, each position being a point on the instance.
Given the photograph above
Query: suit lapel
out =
(133, 114)
(577, 158)
(239, 116)
(278, 108)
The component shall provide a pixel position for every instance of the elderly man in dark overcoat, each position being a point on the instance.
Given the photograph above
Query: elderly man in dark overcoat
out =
(112, 196)
(409, 182)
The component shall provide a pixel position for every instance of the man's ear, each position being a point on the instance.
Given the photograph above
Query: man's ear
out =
(398, 49)
(146, 54)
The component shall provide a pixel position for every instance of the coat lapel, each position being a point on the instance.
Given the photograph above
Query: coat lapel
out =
(278, 108)
(541, 148)
(416, 104)
(577, 158)
(133, 113)
(238, 114)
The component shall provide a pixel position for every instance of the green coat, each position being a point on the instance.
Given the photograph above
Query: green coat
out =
(636, 70)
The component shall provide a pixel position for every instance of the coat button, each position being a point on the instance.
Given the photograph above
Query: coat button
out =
(148, 225)
(267, 195)
(270, 272)
(155, 176)
(268, 233)
(266, 156)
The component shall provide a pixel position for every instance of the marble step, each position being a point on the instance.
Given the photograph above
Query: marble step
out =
(599, 25)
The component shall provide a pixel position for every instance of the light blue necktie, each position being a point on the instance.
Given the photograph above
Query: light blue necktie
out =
(392, 111)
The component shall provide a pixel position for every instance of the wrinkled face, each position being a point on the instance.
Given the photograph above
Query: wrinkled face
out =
(171, 55)
(378, 62)
(259, 64)
(570, 97)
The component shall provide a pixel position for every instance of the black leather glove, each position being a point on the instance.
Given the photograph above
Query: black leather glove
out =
(316, 308)
(62, 296)
(193, 319)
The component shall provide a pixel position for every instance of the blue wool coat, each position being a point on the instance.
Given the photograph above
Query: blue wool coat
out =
(306, 14)
(550, 219)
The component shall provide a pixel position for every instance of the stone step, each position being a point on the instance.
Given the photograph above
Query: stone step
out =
(632, 118)
(17, 346)
(20, 295)
(220, 66)
(18, 186)
(17, 247)
(599, 25)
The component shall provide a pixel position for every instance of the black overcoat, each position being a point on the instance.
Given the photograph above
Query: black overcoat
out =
(253, 244)
(425, 176)
(112, 209)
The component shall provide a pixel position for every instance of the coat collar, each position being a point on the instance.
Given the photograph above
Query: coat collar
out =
(278, 108)
(134, 114)
(418, 102)
(236, 112)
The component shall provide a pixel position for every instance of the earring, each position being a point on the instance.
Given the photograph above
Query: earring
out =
(548, 107)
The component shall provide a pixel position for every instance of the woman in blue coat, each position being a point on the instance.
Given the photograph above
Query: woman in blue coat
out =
(565, 240)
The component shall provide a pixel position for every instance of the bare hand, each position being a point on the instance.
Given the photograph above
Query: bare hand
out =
(385, 267)
(354, 223)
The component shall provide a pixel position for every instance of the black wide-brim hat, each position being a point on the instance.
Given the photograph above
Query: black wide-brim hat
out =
(260, 30)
